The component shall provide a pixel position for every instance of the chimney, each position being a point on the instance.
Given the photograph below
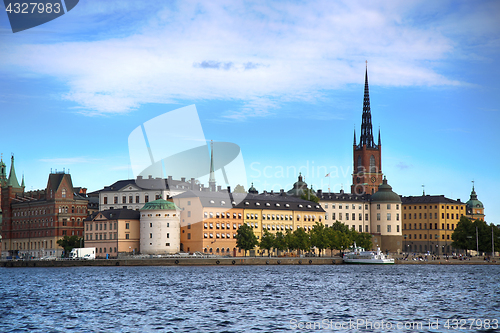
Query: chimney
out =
(169, 178)
(282, 192)
(264, 192)
(272, 192)
(150, 177)
(139, 177)
(183, 179)
(192, 184)
(319, 192)
(459, 200)
(84, 190)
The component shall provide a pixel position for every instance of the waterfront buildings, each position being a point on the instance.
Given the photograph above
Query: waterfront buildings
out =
(113, 232)
(33, 222)
(160, 228)
(429, 221)
(378, 214)
(210, 220)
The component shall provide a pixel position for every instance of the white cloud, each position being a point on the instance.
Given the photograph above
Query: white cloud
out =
(256, 53)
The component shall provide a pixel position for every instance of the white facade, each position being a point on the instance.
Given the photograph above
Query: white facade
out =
(127, 194)
(160, 231)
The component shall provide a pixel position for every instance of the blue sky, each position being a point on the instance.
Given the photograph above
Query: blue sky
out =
(283, 80)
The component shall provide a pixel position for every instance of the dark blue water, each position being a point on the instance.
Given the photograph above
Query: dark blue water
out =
(249, 298)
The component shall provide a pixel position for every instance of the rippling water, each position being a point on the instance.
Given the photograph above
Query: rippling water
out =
(246, 298)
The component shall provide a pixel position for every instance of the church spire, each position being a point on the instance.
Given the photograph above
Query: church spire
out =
(366, 126)
(379, 141)
(354, 135)
(211, 180)
(12, 181)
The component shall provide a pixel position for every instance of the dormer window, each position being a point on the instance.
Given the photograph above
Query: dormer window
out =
(268, 204)
(277, 205)
(63, 193)
(257, 204)
(300, 206)
(287, 205)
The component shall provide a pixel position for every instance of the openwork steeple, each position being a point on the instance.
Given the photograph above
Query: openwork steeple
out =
(211, 180)
(366, 125)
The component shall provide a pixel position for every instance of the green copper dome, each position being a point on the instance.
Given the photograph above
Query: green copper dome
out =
(385, 194)
(159, 204)
(473, 202)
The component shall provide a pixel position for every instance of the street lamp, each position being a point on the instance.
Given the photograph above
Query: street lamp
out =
(469, 237)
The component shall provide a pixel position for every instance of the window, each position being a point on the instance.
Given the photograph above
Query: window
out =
(378, 206)
(347, 216)
(150, 235)
(340, 216)
(397, 228)
(130, 199)
(373, 168)
(388, 216)
(378, 228)
(378, 216)
(189, 235)
(127, 225)
(64, 193)
(366, 217)
(333, 216)
(388, 206)
(360, 228)
(127, 236)
(360, 217)
(136, 199)
(150, 224)
(353, 216)
(105, 200)
(389, 228)
(115, 200)
(397, 216)
(146, 198)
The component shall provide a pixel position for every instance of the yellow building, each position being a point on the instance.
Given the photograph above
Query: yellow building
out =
(429, 222)
(210, 220)
(113, 232)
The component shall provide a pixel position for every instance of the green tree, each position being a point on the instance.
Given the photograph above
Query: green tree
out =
(68, 243)
(239, 189)
(290, 241)
(318, 237)
(280, 241)
(245, 238)
(363, 240)
(267, 241)
(309, 195)
(302, 240)
(464, 235)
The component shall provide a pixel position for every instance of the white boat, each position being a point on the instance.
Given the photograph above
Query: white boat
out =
(360, 256)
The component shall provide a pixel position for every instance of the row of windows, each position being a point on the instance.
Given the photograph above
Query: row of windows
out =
(102, 226)
(165, 215)
(223, 215)
(353, 216)
(389, 216)
(435, 207)
(168, 225)
(61, 209)
(130, 199)
(42, 233)
(389, 228)
(219, 235)
(453, 216)
(388, 206)
(220, 226)
(151, 235)
(101, 236)
(111, 250)
(430, 226)
(353, 206)
(436, 236)
(41, 245)
(206, 250)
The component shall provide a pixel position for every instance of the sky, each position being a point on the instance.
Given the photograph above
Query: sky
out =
(282, 80)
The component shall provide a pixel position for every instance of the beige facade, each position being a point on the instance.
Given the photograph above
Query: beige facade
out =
(113, 232)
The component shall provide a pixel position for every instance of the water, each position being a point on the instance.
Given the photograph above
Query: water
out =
(247, 298)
